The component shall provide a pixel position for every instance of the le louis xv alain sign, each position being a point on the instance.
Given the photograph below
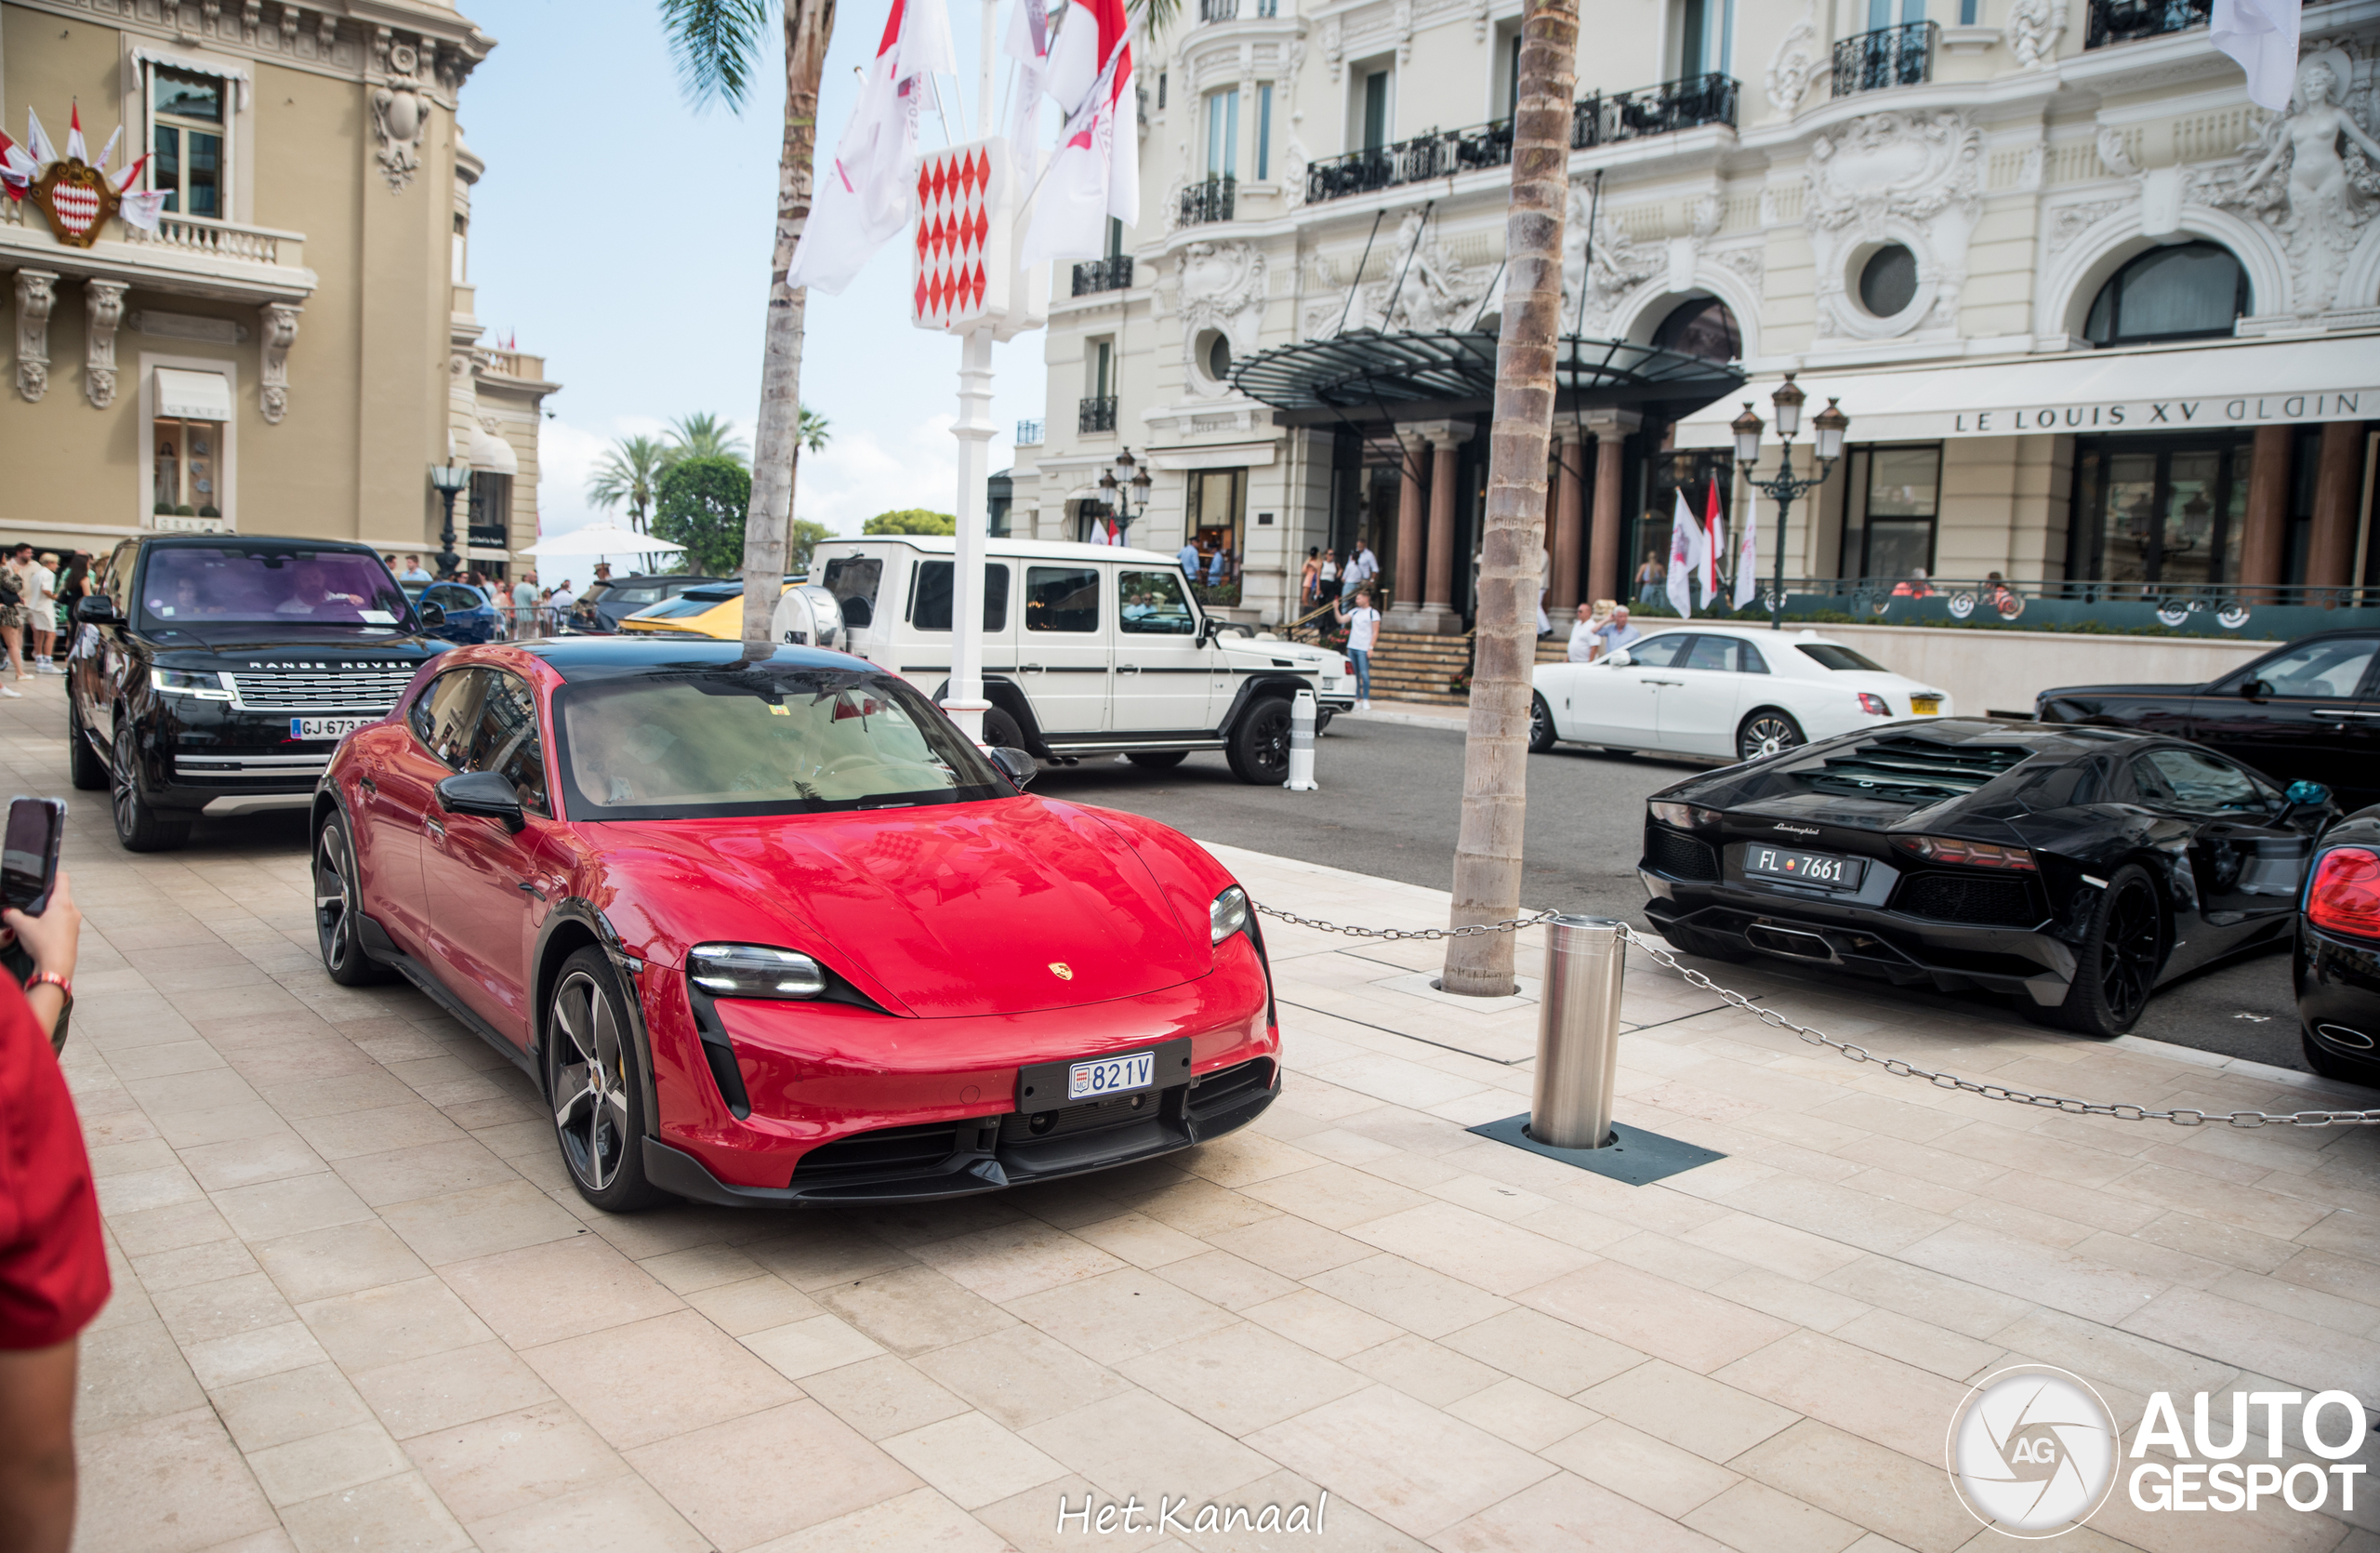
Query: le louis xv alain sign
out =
(2166, 414)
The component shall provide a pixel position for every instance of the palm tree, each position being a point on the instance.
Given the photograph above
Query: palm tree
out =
(716, 44)
(816, 431)
(628, 474)
(704, 435)
(1487, 854)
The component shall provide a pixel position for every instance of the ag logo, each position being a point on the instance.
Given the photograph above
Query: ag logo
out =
(2032, 1452)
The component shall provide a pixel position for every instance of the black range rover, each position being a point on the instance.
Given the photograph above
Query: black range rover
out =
(217, 673)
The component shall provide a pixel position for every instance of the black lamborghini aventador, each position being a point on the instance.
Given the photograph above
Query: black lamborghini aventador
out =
(2076, 868)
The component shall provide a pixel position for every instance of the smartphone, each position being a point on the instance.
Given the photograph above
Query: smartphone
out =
(29, 853)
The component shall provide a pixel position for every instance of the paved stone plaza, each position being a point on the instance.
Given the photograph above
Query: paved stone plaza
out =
(357, 1304)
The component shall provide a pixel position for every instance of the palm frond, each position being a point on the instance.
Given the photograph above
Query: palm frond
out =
(715, 45)
(1155, 15)
(816, 432)
(704, 435)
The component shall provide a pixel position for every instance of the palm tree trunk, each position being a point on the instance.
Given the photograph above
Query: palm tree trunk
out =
(1487, 856)
(809, 25)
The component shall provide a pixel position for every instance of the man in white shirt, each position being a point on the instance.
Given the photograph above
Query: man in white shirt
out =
(1361, 568)
(412, 576)
(525, 606)
(1363, 631)
(1616, 633)
(41, 618)
(1582, 635)
(563, 597)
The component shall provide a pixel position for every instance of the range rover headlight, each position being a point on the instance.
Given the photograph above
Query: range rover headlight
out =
(207, 686)
(753, 971)
(1229, 914)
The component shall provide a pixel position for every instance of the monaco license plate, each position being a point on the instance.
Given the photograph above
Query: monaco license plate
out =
(1805, 868)
(1924, 705)
(325, 727)
(1116, 1075)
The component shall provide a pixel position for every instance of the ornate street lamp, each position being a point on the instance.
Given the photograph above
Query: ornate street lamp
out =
(449, 481)
(1827, 426)
(1125, 487)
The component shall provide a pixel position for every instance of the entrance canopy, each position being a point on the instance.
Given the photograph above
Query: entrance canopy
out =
(1370, 376)
(2199, 387)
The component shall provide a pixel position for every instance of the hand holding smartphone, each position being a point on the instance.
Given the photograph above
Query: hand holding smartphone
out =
(29, 853)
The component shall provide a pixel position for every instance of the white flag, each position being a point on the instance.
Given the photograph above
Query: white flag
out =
(863, 190)
(2261, 34)
(1686, 554)
(37, 142)
(1096, 172)
(1028, 45)
(1748, 552)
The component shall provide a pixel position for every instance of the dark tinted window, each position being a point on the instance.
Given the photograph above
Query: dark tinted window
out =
(2195, 779)
(447, 715)
(1062, 598)
(932, 609)
(853, 580)
(451, 595)
(1660, 652)
(260, 584)
(506, 739)
(2326, 669)
(2187, 291)
(1826, 655)
(1748, 659)
(1711, 652)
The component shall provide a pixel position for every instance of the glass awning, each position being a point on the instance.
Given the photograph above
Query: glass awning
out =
(1367, 376)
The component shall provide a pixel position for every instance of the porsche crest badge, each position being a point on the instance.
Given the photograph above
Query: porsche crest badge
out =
(1063, 971)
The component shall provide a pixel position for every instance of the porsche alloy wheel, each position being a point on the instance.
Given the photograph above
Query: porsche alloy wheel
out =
(2117, 969)
(1765, 733)
(336, 924)
(1541, 725)
(591, 1079)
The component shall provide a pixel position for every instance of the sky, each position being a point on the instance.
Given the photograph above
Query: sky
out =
(624, 235)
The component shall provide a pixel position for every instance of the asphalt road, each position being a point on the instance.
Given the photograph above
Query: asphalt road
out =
(1391, 804)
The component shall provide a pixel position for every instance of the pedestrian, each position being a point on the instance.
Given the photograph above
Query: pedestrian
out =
(412, 576)
(1582, 635)
(1544, 576)
(41, 613)
(1219, 566)
(1363, 629)
(74, 586)
(1306, 574)
(525, 606)
(1326, 579)
(16, 599)
(1650, 578)
(1362, 566)
(1616, 633)
(602, 571)
(562, 598)
(53, 1263)
(1188, 558)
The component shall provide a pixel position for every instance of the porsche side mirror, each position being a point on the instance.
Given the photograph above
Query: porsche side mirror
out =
(484, 793)
(1617, 657)
(96, 609)
(1016, 764)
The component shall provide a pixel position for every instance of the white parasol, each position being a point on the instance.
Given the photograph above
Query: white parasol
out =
(606, 538)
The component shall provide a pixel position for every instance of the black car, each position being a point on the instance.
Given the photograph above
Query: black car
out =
(2338, 967)
(2075, 867)
(215, 672)
(606, 604)
(2309, 710)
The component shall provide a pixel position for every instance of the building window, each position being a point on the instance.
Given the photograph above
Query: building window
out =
(1881, 13)
(187, 141)
(1222, 133)
(1513, 75)
(1263, 130)
(1376, 107)
(1706, 37)
(2168, 513)
(189, 466)
(1701, 327)
(1888, 280)
(1218, 504)
(461, 253)
(2190, 291)
(491, 510)
(1101, 364)
(1893, 510)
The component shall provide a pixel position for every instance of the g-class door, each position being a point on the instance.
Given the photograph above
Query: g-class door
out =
(1163, 670)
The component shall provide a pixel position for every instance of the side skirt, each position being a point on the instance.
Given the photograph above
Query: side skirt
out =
(380, 947)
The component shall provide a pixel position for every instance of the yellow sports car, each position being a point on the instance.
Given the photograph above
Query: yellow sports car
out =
(716, 612)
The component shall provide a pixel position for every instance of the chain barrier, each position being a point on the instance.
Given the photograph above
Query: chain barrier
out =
(1899, 1068)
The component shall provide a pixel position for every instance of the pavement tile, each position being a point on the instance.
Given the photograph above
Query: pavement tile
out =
(443, 1390)
(1753, 1518)
(169, 1484)
(1577, 1513)
(327, 1463)
(659, 1377)
(1326, 1325)
(293, 1405)
(393, 1322)
(479, 1221)
(541, 1293)
(913, 1308)
(1707, 1416)
(881, 1397)
(1008, 1261)
(340, 1259)
(1242, 1378)
(1863, 1393)
(618, 1514)
(506, 1462)
(751, 1305)
(1021, 1375)
(732, 1478)
(1652, 1472)
(129, 1375)
(1409, 1294)
(1656, 1316)
(1419, 1368)
(1222, 1278)
(1136, 1442)
(918, 1521)
(1114, 1317)
(973, 1460)
(1904, 1498)
(1411, 1465)
(1527, 1416)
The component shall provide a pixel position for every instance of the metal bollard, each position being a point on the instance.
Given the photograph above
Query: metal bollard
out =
(1302, 721)
(1578, 1032)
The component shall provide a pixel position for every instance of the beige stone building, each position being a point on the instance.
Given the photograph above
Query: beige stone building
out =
(295, 344)
(2102, 326)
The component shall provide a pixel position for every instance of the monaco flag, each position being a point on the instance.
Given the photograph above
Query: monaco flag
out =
(1097, 170)
(863, 190)
(1714, 547)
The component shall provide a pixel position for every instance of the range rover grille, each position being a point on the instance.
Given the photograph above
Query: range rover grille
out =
(365, 690)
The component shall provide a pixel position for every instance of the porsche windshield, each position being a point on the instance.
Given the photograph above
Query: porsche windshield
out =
(759, 740)
(201, 585)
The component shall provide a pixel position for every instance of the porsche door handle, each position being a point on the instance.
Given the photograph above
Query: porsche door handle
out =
(432, 827)
(527, 888)
(369, 785)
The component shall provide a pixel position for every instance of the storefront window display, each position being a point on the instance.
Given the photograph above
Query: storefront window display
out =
(2159, 512)
(1892, 511)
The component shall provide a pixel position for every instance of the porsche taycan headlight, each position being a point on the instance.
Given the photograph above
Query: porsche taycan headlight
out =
(1229, 914)
(753, 971)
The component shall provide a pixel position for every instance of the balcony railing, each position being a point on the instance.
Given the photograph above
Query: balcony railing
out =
(1113, 274)
(1663, 109)
(1598, 120)
(1098, 413)
(197, 234)
(1029, 432)
(1899, 56)
(1210, 201)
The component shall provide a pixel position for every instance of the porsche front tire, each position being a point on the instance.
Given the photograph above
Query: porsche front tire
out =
(594, 1087)
(339, 909)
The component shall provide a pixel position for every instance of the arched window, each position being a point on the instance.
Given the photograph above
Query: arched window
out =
(2190, 291)
(1701, 327)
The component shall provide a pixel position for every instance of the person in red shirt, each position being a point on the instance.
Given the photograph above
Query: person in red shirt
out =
(53, 1268)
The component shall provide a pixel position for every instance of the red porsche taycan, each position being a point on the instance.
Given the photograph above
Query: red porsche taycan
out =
(774, 932)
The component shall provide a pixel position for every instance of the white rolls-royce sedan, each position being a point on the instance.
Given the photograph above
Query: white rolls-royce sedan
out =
(1737, 692)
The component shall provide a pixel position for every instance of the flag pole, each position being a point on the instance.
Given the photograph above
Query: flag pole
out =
(974, 428)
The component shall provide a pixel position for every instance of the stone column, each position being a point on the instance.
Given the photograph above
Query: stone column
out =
(2264, 544)
(1412, 520)
(2338, 479)
(1437, 595)
(1569, 520)
(1604, 578)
